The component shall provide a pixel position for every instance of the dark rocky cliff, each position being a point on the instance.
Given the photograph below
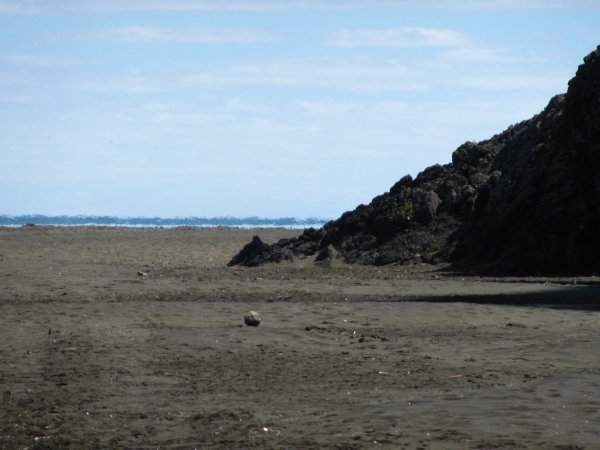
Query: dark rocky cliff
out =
(543, 213)
(525, 201)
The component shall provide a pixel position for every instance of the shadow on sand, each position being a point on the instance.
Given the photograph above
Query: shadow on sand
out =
(581, 297)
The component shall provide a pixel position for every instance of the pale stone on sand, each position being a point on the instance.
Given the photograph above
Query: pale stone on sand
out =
(252, 319)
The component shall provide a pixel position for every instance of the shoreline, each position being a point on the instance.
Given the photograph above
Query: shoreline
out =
(153, 227)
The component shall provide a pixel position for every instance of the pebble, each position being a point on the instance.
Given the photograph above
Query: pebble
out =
(252, 319)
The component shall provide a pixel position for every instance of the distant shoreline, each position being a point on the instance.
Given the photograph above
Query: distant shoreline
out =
(151, 227)
(160, 222)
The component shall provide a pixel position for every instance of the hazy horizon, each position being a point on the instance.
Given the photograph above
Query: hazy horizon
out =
(262, 108)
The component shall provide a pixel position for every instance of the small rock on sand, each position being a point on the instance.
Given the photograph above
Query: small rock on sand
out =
(252, 319)
(326, 256)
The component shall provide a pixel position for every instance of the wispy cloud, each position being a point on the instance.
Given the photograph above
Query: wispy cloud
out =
(131, 83)
(351, 74)
(28, 7)
(22, 8)
(33, 59)
(31, 7)
(506, 5)
(397, 37)
(477, 54)
(244, 6)
(363, 75)
(189, 35)
(513, 81)
(332, 73)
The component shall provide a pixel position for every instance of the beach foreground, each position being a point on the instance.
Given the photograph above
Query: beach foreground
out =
(116, 337)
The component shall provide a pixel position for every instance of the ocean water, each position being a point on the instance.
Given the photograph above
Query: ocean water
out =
(166, 222)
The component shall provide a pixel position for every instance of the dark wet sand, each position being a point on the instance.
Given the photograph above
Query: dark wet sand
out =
(95, 355)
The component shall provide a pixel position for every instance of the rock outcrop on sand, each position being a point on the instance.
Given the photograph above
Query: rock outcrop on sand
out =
(525, 201)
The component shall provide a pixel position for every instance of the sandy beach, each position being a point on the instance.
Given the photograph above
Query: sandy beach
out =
(134, 338)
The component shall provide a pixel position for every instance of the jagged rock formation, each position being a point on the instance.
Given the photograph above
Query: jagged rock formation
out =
(526, 200)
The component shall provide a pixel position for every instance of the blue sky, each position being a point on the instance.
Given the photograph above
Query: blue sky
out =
(269, 108)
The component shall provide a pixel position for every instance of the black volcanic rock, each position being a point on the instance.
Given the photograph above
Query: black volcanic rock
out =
(256, 252)
(543, 213)
(326, 256)
(527, 200)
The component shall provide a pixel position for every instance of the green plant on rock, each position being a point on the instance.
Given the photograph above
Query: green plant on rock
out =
(404, 213)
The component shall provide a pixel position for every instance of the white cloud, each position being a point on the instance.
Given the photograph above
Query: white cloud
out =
(131, 83)
(397, 37)
(491, 5)
(234, 6)
(505, 82)
(487, 70)
(474, 54)
(327, 108)
(358, 75)
(28, 7)
(251, 6)
(364, 75)
(189, 35)
(33, 59)
(415, 115)
(22, 8)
